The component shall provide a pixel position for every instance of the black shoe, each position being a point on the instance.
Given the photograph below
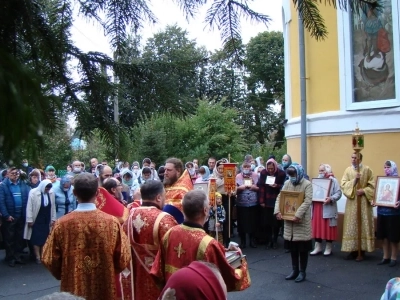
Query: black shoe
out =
(253, 243)
(393, 263)
(20, 261)
(301, 277)
(351, 255)
(11, 263)
(384, 261)
(293, 275)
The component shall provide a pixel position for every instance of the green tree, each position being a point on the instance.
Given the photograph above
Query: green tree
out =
(264, 63)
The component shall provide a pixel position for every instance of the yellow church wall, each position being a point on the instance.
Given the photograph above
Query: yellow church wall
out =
(322, 63)
(336, 151)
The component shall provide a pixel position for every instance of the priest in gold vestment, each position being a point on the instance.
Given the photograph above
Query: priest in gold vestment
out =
(188, 242)
(87, 247)
(350, 227)
(145, 228)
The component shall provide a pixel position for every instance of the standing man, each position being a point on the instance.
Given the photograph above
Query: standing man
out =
(177, 182)
(145, 228)
(188, 242)
(104, 173)
(13, 200)
(26, 167)
(211, 164)
(350, 190)
(87, 258)
(114, 187)
(93, 164)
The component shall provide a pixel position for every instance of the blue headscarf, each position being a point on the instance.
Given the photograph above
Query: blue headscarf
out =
(206, 176)
(299, 172)
(64, 179)
(393, 168)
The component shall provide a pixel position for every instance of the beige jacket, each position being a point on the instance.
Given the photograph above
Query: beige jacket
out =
(33, 207)
(298, 231)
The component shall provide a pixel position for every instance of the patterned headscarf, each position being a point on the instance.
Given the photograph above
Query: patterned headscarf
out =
(393, 168)
(273, 161)
(299, 172)
(392, 290)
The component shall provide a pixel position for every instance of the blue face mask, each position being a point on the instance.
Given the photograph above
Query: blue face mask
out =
(128, 182)
(246, 172)
(285, 163)
(292, 179)
(253, 166)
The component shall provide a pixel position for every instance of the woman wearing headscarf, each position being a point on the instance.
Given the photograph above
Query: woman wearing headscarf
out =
(324, 216)
(40, 215)
(260, 161)
(64, 196)
(247, 204)
(388, 223)
(392, 290)
(204, 175)
(191, 170)
(199, 280)
(297, 232)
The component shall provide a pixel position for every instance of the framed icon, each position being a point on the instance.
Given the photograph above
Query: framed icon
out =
(321, 188)
(289, 203)
(387, 191)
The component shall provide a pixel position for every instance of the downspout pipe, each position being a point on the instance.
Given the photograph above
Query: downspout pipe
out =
(303, 100)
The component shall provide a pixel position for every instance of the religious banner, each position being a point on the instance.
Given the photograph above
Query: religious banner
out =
(229, 177)
(212, 188)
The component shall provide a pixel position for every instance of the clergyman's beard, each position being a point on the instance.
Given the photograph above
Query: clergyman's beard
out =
(101, 180)
(118, 196)
(170, 181)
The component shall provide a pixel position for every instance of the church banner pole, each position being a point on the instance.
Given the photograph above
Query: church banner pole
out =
(358, 145)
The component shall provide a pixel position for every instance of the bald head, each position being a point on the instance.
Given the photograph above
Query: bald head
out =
(195, 206)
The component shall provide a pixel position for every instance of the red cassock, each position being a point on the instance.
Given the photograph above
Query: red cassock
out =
(108, 204)
(145, 228)
(175, 193)
(183, 244)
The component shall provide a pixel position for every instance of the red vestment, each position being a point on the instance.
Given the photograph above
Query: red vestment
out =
(145, 228)
(175, 193)
(85, 250)
(183, 244)
(108, 204)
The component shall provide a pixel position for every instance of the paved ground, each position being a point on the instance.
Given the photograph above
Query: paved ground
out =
(327, 278)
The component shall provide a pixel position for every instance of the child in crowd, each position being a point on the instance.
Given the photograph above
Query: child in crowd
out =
(217, 218)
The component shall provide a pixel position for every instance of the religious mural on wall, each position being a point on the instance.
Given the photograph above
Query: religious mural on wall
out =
(373, 59)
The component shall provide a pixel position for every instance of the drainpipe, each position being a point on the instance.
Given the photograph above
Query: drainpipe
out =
(303, 100)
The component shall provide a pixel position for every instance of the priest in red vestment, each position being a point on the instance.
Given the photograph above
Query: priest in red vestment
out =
(87, 248)
(145, 228)
(177, 182)
(188, 242)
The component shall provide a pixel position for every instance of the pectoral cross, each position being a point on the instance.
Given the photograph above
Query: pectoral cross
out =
(179, 250)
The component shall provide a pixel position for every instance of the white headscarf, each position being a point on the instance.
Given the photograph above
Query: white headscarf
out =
(42, 187)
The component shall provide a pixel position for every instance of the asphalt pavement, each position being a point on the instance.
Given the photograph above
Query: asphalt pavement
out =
(327, 277)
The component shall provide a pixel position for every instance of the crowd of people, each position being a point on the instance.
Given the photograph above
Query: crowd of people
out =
(143, 230)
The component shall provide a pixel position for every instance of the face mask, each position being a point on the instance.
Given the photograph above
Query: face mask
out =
(253, 166)
(65, 189)
(387, 172)
(128, 182)
(192, 171)
(51, 176)
(292, 179)
(25, 164)
(77, 170)
(321, 175)
(246, 172)
(285, 163)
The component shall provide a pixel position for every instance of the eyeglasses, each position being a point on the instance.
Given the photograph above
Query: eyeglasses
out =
(14, 173)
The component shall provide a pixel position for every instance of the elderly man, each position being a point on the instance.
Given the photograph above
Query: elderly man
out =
(177, 182)
(114, 187)
(93, 164)
(145, 228)
(188, 242)
(89, 242)
(366, 191)
(13, 200)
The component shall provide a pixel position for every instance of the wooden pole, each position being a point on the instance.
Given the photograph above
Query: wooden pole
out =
(359, 256)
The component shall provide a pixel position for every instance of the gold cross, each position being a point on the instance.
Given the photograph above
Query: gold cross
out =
(179, 250)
